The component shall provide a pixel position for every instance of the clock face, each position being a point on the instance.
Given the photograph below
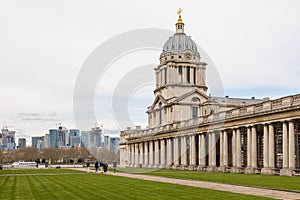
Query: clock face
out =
(188, 56)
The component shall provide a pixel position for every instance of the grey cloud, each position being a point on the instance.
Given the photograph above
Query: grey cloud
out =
(38, 116)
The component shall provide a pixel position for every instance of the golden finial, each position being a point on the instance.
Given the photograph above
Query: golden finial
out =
(179, 15)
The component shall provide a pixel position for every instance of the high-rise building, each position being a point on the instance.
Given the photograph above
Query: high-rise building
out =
(114, 144)
(7, 141)
(106, 142)
(96, 137)
(53, 137)
(62, 135)
(47, 141)
(85, 139)
(74, 137)
(36, 140)
(22, 142)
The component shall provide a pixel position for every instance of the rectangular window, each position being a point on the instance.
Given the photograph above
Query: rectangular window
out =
(188, 75)
(194, 112)
(180, 74)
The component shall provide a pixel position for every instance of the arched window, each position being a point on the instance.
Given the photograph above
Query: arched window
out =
(195, 99)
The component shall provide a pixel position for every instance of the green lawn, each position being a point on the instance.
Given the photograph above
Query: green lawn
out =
(276, 182)
(100, 186)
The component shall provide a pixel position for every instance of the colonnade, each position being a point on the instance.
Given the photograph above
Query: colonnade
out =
(236, 149)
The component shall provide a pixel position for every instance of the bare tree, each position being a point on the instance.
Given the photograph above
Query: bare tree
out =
(51, 154)
(26, 154)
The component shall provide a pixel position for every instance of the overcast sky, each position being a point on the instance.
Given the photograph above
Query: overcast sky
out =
(254, 45)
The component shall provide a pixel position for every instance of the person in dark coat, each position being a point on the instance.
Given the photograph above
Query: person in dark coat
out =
(96, 166)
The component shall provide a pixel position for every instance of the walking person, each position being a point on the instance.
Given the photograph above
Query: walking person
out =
(115, 166)
(96, 166)
(87, 167)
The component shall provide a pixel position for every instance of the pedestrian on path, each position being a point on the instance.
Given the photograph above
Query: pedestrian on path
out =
(115, 166)
(96, 166)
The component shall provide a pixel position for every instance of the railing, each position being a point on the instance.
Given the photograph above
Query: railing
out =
(269, 105)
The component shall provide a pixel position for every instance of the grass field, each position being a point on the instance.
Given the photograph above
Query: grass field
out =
(276, 182)
(60, 184)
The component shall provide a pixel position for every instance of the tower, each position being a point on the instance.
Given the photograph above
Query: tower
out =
(180, 80)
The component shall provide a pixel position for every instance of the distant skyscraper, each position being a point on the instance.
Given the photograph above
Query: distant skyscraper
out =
(62, 133)
(47, 141)
(96, 137)
(7, 141)
(22, 142)
(74, 137)
(53, 137)
(114, 144)
(86, 139)
(106, 142)
(37, 142)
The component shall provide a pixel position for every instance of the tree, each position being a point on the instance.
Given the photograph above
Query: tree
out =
(51, 154)
(26, 154)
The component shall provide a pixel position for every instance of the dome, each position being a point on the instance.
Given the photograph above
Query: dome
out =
(178, 43)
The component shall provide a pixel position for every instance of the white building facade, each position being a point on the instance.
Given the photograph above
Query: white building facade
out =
(189, 130)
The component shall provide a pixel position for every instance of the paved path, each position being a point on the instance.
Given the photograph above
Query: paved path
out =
(277, 194)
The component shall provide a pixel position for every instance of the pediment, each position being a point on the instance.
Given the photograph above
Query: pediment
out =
(187, 97)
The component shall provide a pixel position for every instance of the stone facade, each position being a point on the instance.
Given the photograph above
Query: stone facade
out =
(189, 130)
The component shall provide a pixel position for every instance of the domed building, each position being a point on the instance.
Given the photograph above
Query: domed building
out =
(189, 130)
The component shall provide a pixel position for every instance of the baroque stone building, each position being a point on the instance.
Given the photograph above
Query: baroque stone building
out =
(189, 130)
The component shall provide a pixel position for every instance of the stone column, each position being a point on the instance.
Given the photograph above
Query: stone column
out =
(202, 152)
(151, 155)
(136, 153)
(254, 147)
(225, 151)
(146, 154)
(266, 146)
(221, 148)
(169, 152)
(209, 149)
(271, 147)
(141, 156)
(162, 153)
(213, 151)
(238, 148)
(291, 145)
(285, 145)
(249, 142)
(192, 150)
(156, 153)
(176, 153)
(233, 147)
(183, 151)
(132, 155)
